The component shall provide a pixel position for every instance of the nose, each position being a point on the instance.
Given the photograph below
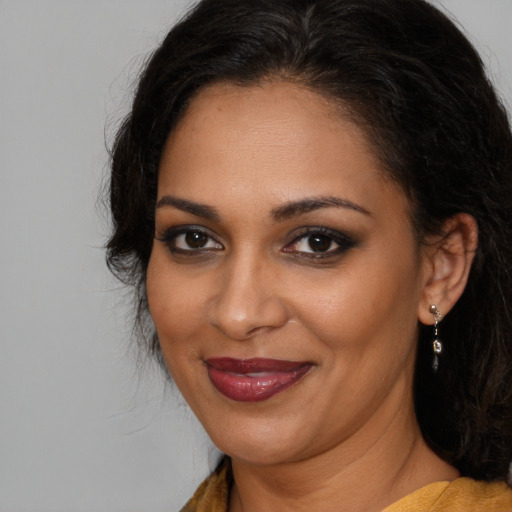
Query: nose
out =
(248, 301)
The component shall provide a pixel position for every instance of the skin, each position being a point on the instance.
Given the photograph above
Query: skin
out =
(255, 289)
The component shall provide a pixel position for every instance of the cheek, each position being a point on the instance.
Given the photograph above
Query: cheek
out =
(175, 315)
(369, 308)
(173, 302)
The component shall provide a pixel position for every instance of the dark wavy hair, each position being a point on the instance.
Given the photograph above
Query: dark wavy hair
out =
(411, 79)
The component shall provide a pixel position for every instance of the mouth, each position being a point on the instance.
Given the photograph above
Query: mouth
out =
(254, 380)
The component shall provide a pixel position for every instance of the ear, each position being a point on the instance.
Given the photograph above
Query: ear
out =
(447, 261)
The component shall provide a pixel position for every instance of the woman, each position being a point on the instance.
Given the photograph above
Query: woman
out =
(312, 200)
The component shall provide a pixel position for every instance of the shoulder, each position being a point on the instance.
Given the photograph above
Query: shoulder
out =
(468, 494)
(461, 495)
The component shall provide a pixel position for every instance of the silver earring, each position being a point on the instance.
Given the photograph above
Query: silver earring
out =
(437, 344)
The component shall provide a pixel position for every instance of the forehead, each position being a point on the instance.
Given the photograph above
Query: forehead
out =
(268, 143)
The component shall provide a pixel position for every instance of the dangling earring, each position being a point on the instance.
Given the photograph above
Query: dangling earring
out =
(437, 344)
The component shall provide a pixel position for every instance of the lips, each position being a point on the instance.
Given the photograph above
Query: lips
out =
(254, 380)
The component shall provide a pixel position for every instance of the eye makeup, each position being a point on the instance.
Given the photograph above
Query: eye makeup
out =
(189, 240)
(315, 244)
(319, 243)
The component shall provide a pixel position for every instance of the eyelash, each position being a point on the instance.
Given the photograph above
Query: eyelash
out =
(343, 242)
(170, 237)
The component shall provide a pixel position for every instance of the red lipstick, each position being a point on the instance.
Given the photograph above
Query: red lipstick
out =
(254, 380)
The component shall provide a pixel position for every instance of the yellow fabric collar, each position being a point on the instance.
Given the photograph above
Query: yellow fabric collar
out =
(461, 495)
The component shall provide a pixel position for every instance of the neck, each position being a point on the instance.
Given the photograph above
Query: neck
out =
(395, 463)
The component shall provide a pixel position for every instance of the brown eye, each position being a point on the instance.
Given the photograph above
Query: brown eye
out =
(196, 239)
(316, 243)
(319, 242)
(188, 241)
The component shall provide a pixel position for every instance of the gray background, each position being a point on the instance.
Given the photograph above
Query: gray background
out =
(81, 427)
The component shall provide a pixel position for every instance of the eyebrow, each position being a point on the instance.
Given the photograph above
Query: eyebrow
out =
(280, 213)
(297, 208)
(197, 209)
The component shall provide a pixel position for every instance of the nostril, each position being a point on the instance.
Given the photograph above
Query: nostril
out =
(258, 330)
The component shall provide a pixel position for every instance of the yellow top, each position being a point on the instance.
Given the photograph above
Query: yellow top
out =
(461, 495)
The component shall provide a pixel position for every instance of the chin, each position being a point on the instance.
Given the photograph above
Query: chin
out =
(262, 445)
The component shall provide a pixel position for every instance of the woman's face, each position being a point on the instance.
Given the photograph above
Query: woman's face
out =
(285, 278)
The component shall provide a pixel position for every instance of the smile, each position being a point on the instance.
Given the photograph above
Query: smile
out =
(254, 380)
